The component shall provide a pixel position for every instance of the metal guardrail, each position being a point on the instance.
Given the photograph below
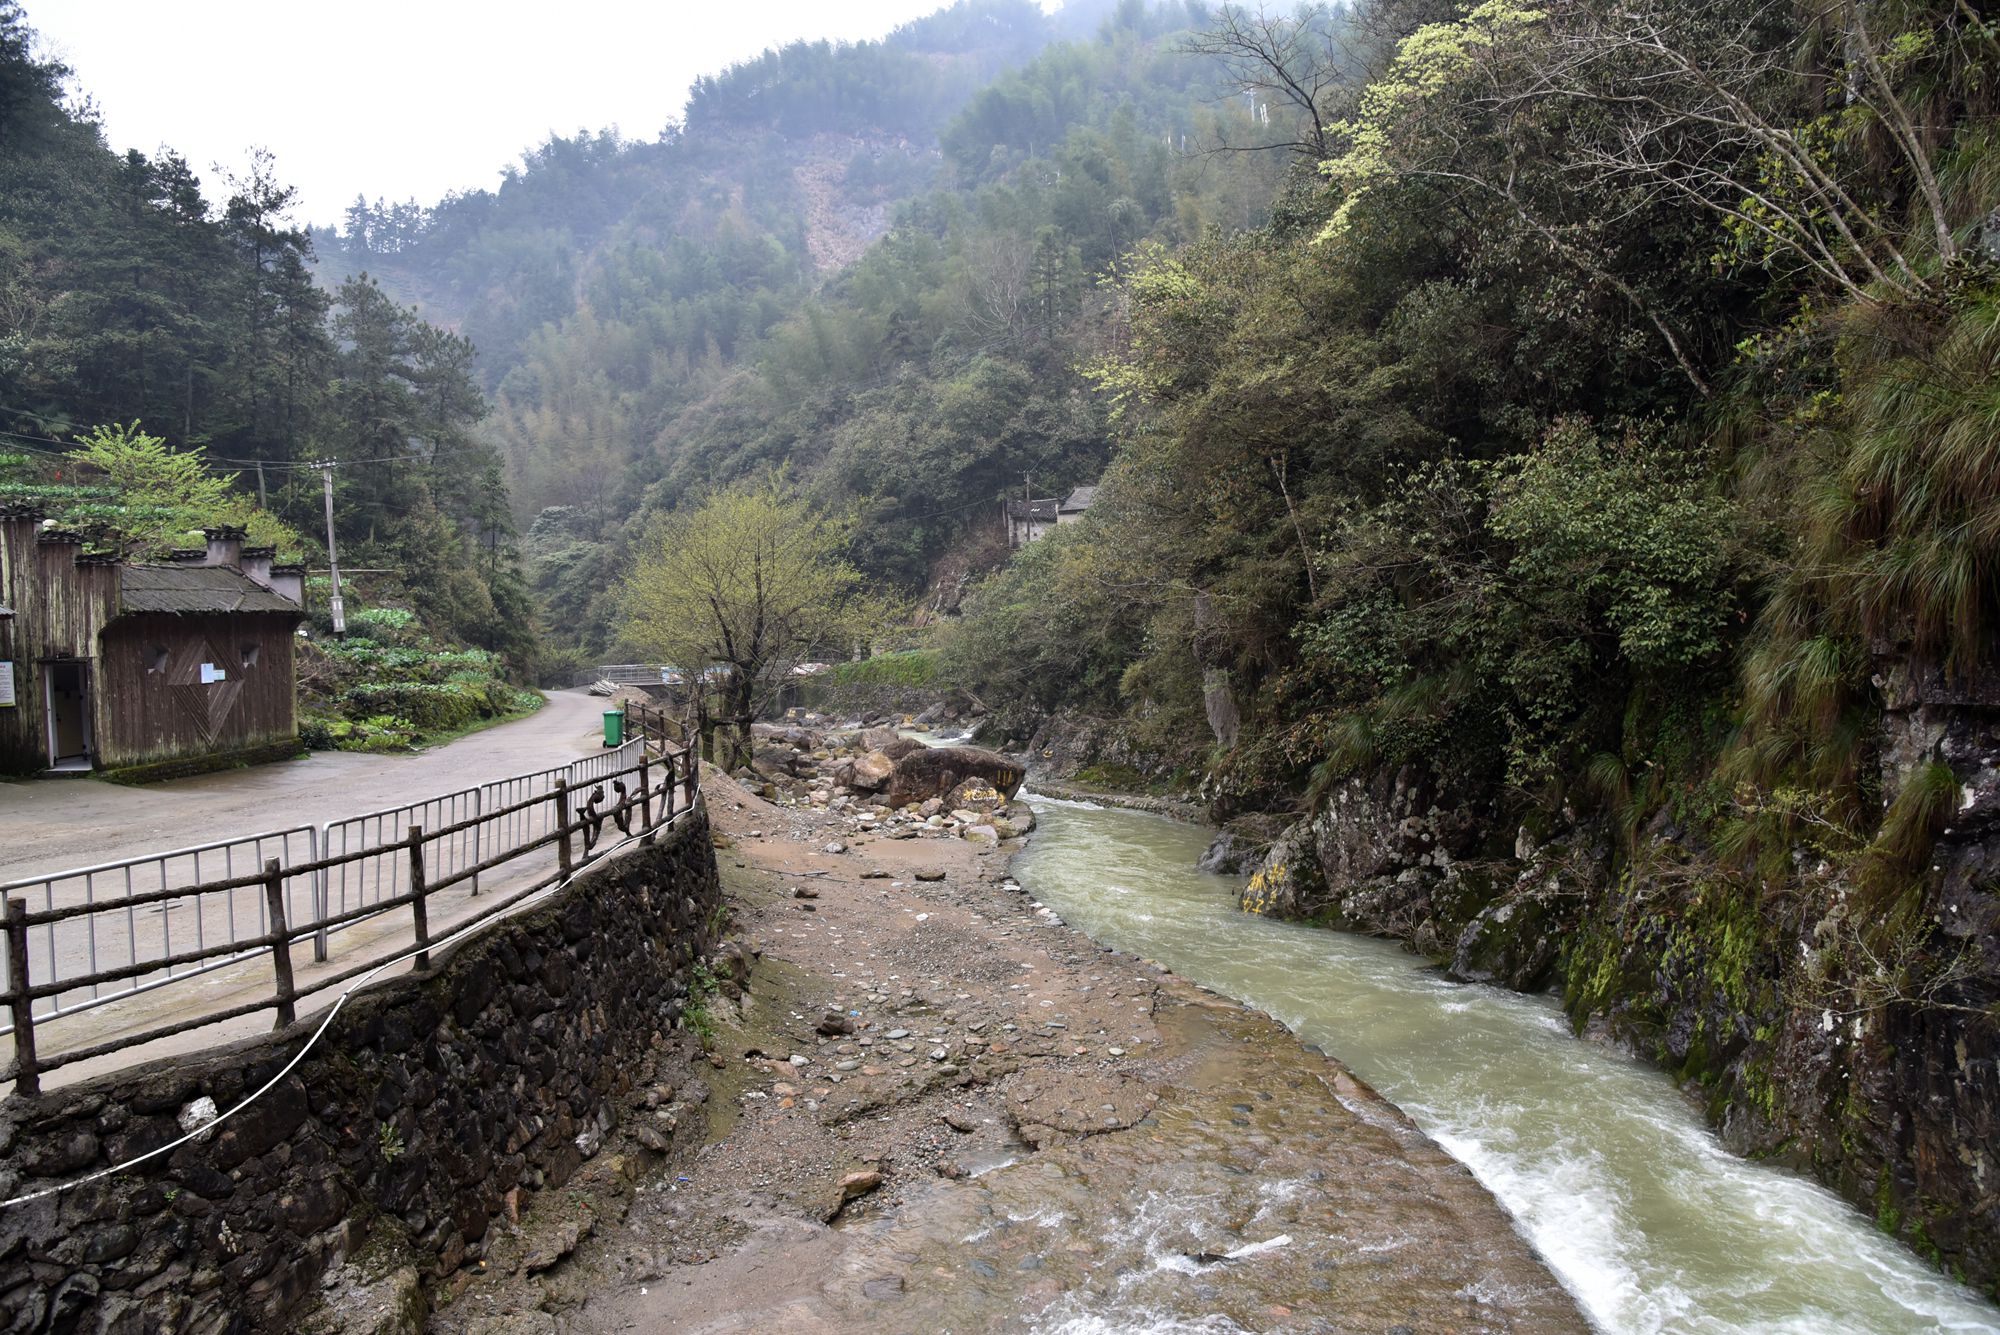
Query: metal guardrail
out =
(130, 932)
(622, 674)
(110, 931)
(371, 880)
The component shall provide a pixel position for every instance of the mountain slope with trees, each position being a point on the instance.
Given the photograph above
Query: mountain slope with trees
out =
(1568, 526)
(659, 320)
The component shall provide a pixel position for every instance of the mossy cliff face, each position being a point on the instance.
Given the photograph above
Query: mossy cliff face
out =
(1820, 1019)
(1401, 857)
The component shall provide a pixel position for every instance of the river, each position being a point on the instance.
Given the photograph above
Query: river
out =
(1608, 1170)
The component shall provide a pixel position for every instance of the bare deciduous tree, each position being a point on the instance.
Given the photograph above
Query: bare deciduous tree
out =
(998, 268)
(1789, 121)
(1713, 109)
(1298, 61)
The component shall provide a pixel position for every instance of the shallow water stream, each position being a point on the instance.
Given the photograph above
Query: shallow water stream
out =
(1649, 1222)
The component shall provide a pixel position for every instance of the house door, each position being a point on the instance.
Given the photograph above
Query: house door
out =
(68, 686)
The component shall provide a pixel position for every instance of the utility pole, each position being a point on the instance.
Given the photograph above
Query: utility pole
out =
(334, 605)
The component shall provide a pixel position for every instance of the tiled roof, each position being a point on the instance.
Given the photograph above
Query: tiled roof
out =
(196, 589)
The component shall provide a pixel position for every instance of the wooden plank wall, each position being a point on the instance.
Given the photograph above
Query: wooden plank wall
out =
(20, 745)
(151, 704)
(59, 606)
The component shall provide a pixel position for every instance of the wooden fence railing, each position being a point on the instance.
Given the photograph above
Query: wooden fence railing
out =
(653, 724)
(636, 799)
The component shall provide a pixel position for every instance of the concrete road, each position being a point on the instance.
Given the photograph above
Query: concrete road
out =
(53, 824)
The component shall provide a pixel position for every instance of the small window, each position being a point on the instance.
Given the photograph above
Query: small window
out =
(156, 659)
(250, 655)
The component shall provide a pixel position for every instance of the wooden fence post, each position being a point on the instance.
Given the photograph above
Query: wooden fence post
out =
(281, 941)
(417, 910)
(563, 862)
(646, 797)
(27, 1071)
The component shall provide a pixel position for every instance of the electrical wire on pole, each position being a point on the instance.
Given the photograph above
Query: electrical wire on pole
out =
(334, 605)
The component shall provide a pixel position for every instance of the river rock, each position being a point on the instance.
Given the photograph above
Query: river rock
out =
(1512, 943)
(857, 1185)
(785, 734)
(870, 772)
(1384, 856)
(775, 762)
(1054, 1107)
(936, 771)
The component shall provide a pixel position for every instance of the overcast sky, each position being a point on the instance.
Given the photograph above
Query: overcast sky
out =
(408, 98)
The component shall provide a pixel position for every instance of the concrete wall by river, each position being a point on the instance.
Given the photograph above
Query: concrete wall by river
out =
(428, 1099)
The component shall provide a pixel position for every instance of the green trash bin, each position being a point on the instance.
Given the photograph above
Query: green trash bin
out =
(614, 727)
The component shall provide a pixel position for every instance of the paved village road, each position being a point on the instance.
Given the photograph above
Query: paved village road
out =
(52, 824)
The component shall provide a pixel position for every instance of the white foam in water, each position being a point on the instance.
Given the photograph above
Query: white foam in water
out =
(1126, 1321)
(1576, 1224)
(1063, 803)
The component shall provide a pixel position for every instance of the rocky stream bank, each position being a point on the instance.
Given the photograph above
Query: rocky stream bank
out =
(1835, 1013)
(921, 1101)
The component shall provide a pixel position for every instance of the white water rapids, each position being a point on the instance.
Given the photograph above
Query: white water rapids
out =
(1608, 1170)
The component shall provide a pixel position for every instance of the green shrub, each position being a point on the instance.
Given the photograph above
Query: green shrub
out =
(430, 706)
(384, 623)
(907, 667)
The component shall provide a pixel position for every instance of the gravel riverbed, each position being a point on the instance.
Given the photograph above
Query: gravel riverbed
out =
(925, 1102)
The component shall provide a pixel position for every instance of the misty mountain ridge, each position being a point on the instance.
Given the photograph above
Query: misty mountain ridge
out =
(875, 265)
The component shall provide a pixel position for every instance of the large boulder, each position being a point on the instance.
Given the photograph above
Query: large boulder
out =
(1512, 942)
(936, 771)
(1383, 855)
(876, 739)
(775, 762)
(785, 734)
(870, 772)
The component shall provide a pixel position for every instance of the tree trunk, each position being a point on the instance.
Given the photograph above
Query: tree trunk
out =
(743, 708)
(705, 740)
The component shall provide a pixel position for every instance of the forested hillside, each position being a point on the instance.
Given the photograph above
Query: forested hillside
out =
(876, 265)
(1569, 528)
(131, 293)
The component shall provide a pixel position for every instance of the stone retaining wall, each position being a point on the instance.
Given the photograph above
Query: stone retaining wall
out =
(428, 1100)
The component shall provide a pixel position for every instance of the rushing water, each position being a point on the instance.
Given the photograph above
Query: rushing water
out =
(1614, 1177)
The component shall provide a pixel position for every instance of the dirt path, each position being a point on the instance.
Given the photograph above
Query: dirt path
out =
(936, 1107)
(50, 825)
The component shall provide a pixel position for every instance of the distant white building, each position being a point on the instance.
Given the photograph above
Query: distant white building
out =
(1030, 519)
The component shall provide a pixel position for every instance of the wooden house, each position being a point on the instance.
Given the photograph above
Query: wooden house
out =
(143, 670)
